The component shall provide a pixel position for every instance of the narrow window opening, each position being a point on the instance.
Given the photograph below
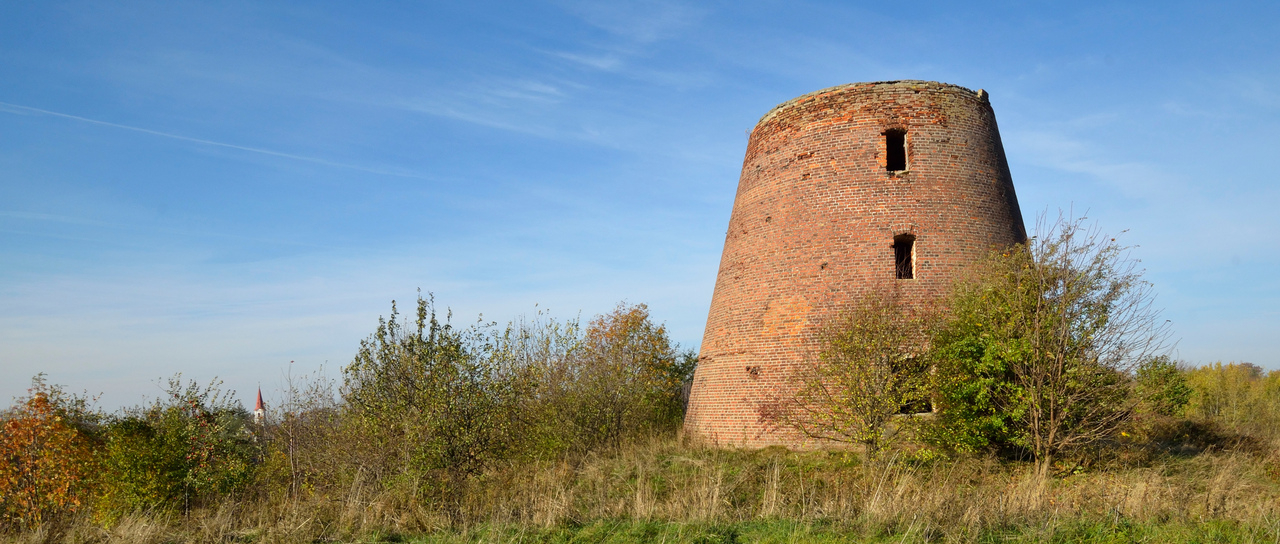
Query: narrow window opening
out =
(903, 253)
(895, 150)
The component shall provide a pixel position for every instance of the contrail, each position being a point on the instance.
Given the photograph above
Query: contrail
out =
(213, 143)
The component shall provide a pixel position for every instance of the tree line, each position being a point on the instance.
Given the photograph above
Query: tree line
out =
(425, 408)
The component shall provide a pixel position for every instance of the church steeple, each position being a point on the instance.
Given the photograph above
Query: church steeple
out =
(259, 409)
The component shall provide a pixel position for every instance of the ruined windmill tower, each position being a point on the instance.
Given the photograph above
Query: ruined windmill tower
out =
(843, 190)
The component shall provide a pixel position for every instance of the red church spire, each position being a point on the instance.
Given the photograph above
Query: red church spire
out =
(259, 410)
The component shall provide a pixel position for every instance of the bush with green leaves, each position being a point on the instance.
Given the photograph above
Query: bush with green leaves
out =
(439, 404)
(1041, 342)
(189, 447)
(435, 402)
(1161, 387)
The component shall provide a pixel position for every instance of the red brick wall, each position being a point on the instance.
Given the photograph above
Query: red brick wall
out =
(813, 225)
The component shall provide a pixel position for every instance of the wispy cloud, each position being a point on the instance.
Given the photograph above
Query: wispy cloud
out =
(607, 63)
(1193, 214)
(20, 109)
(1059, 151)
(469, 113)
(525, 106)
(527, 91)
(1184, 109)
(1257, 91)
(643, 21)
(633, 28)
(52, 218)
(108, 233)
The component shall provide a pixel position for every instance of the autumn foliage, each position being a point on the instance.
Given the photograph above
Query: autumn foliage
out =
(622, 381)
(46, 461)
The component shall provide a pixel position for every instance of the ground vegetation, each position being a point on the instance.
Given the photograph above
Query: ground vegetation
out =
(553, 431)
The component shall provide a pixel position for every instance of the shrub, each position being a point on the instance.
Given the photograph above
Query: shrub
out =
(188, 447)
(303, 438)
(1041, 342)
(46, 456)
(428, 407)
(433, 399)
(544, 354)
(1161, 387)
(871, 367)
(583, 389)
(626, 379)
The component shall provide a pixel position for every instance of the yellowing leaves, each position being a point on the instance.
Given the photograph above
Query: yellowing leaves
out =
(45, 463)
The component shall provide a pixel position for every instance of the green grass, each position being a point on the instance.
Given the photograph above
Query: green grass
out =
(792, 532)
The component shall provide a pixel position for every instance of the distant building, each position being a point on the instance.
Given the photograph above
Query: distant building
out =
(259, 409)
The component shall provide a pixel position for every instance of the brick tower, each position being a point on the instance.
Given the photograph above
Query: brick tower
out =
(851, 188)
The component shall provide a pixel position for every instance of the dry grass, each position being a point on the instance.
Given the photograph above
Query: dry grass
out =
(676, 482)
(670, 483)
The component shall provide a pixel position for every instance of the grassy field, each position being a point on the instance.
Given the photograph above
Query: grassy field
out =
(669, 490)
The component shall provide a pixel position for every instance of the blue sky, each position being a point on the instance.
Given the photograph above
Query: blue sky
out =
(221, 188)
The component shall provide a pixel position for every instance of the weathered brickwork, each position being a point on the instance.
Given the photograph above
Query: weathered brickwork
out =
(813, 225)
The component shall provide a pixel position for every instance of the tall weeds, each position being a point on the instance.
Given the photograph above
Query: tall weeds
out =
(590, 433)
(667, 479)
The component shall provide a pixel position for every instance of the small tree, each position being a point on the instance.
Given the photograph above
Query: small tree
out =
(596, 386)
(625, 378)
(433, 401)
(187, 447)
(47, 465)
(300, 432)
(1042, 341)
(871, 366)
